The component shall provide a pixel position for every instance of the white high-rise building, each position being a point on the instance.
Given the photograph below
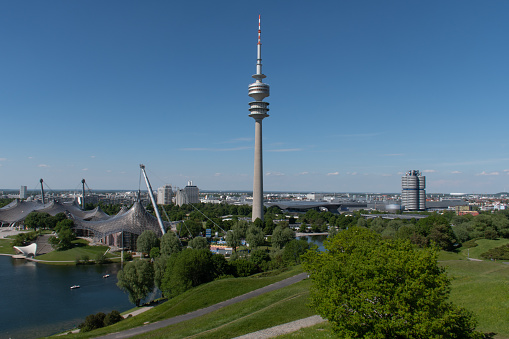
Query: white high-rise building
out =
(413, 191)
(23, 192)
(164, 195)
(188, 195)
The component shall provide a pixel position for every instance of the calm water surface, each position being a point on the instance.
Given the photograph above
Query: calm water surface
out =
(315, 240)
(37, 301)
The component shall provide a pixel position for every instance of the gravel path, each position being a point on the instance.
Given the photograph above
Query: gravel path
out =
(284, 328)
(198, 313)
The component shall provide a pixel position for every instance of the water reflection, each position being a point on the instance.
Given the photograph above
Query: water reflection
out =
(315, 240)
(39, 302)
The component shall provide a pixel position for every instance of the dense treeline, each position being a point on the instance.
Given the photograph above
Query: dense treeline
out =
(177, 266)
(5, 202)
(110, 209)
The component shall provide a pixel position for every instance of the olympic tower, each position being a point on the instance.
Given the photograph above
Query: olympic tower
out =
(258, 110)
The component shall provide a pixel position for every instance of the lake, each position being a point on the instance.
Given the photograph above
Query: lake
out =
(37, 300)
(315, 240)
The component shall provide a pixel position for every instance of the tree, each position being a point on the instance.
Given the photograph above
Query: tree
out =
(186, 269)
(371, 287)
(191, 228)
(170, 244)
(269, 225)
(281, 236)
(155, 252)
(293, 251)
(146, 241)
(199, 243)
(112, 318)
(137, 279)
(92, 322)
(244, 267)
(38, 220)
(159, 269)
(255, 236)
(65, 236)
(233, 239)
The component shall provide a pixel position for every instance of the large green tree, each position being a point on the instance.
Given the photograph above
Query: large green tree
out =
(170, 244)
(370, 287)
(281, 236)
(65, 235)
(137, 279)
(255, 236)
(146, 241)
(186, 269)
(233, 239)
(199, 243)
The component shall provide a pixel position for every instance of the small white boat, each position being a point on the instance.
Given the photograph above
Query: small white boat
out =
(106, 276)
(74, 287)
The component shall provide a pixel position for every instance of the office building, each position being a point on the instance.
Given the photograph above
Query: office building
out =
(23, 193)
(413, 191)
(164, 195)
(187, 195)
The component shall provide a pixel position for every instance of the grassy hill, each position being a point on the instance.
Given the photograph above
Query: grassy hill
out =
(480, 286)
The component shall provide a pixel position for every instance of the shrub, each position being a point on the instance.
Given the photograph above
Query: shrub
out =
(469, 244)
(83, 260)
(95, 321)
(128, 256)
(112, 318)
(100, 258)
(92, 322)
(244, 268)
(501, 253)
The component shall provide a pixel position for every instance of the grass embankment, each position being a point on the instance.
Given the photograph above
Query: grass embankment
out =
(6, 246)
(479, 286)
(80, 250)
(271, 309)
(197, 298)
(483, 245)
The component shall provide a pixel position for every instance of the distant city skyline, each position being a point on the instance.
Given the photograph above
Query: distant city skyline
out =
(362, 92)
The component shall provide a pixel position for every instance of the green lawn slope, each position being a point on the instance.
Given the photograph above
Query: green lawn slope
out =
(197, 298)
(80, 249)
(268, 310)
(6, 246)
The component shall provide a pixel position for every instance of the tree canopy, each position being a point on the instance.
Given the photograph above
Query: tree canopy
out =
(371, 287)
(137, 279)
(170, 244)
(146, 241)
(281, 236)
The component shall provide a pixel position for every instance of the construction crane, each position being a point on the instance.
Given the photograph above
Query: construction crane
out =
(151, 195)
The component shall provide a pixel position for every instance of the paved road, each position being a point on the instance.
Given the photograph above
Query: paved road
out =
(198, 313)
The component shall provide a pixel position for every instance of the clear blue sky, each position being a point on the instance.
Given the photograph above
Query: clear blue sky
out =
(361, 92)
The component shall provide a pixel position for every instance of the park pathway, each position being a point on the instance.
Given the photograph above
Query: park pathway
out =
(198, 313)
(284, 328)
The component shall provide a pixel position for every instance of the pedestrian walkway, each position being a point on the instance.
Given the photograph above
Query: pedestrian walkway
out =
(43, 245)
(284, 328)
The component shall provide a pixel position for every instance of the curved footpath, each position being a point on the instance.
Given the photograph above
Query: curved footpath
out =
(198, 313)
(284, 328)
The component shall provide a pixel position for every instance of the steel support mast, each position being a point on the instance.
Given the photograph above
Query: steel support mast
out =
(151, 195)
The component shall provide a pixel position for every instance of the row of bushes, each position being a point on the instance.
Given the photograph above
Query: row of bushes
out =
(94, 321)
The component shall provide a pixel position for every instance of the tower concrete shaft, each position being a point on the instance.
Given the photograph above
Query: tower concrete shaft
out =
(258, 110)
(258, 173)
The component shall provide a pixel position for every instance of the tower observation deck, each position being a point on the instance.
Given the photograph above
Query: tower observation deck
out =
(258, 110)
